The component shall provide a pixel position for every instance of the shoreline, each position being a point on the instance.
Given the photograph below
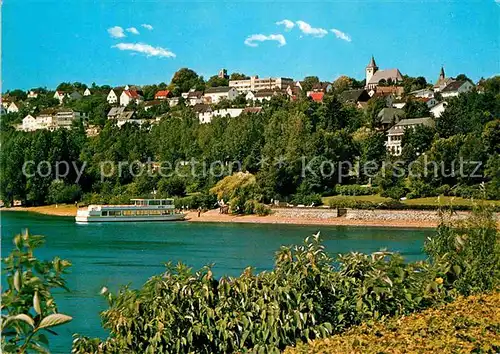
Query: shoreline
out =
(214, 217)
(292, 216)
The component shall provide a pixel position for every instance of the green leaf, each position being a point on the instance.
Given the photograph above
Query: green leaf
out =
(36, 303)
(55, 319)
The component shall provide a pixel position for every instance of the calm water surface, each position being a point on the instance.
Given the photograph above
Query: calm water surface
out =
(129, 253)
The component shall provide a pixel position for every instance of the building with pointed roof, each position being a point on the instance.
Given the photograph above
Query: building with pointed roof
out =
(442, 81)
(374, 76)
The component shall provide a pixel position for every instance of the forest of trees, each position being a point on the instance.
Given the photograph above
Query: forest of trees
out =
(274, 145)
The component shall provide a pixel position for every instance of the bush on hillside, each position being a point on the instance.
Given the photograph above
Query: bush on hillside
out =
(355, 189)
(467, 325)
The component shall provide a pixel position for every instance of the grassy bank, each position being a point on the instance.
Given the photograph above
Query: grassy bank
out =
(467, 325)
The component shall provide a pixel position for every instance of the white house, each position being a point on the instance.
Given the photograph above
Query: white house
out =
(60, 95)
(87, 92)
(194, 98)
(128, 96)
(173, 101)
(113, 96)
(32, 94)
(13, 107)
(438, 109)
(216, 94)
(423, 93)
(395, 134)
(6, 102)
(250, 96)
(205, 113)
(29, 123)
(260, 96)
(43, 121)
(457, 87)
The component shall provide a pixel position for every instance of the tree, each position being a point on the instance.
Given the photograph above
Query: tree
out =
(216, 81)
(172, 187)
(467, 113)
(462, 77)
(308, 83)
(186, 79)
(416, 141)
(342, 83)
(59, 192)
(416, 109)
(238, 76)
(375, 105)
(17, 95)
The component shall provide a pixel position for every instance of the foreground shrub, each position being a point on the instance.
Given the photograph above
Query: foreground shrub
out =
(28, 308)
(468, 325)
(470, 251)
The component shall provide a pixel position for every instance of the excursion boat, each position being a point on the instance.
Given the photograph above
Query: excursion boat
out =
(138, 210)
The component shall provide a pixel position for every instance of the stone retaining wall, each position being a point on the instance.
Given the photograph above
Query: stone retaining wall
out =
(357, 214)
(306, 213)
(389, 215)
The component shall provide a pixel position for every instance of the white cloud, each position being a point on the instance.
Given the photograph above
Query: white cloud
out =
(116, 32)
(341, 35)
(250, 40)
(146, 26)
(288, 24)
(307, 29)
(132, 30)
(147, 49)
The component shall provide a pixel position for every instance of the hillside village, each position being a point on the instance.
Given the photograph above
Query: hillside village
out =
(401, 101)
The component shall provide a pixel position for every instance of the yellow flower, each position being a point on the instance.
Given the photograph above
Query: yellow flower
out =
(439, 280)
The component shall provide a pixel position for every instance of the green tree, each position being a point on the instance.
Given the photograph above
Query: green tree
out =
(216, 81)
(186, 79)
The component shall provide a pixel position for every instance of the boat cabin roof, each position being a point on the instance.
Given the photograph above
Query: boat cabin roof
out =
(169, 199)
(166, 201)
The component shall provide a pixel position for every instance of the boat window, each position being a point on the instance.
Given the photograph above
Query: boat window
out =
(104, 213)
(128, 212)
(115, 213)
(154, 202)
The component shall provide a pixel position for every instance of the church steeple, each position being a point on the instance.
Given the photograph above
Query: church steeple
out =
(441, 74)
(370, 70)
(372, 63)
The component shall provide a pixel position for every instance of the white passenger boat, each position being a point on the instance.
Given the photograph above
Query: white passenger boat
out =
(139, 210)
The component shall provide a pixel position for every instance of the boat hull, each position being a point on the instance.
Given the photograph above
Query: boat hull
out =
(96, 218)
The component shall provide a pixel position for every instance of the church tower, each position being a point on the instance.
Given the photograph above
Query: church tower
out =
(370, 70)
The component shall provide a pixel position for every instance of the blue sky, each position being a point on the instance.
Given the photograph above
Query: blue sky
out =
(47, 42)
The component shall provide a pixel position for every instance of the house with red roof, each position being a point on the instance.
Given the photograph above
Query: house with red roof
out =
(162, 95)
(316, 96)
(128, 96)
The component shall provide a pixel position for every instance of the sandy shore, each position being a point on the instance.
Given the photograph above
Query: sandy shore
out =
(56, 210)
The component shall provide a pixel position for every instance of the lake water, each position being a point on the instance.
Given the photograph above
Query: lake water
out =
(117, 254)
